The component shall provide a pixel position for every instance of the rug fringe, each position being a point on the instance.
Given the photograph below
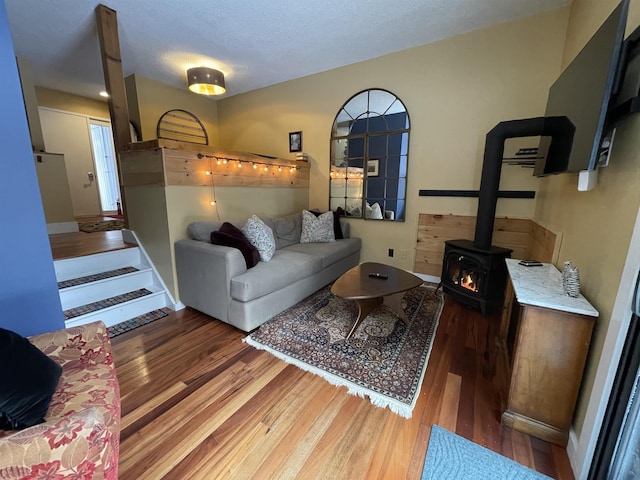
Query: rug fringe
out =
(376, 399)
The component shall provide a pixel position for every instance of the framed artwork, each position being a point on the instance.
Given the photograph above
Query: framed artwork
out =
(295, 141)
(372, 168)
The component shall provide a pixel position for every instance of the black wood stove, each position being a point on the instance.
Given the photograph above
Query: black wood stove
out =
(475, 277)
(474, 272)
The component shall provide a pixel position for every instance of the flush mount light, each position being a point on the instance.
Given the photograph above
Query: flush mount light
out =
(206, 81)
(104, 94)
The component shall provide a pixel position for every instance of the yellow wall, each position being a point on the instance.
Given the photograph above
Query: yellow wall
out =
(596, 225)
(455, 90)
(152, 99)
(69, 102)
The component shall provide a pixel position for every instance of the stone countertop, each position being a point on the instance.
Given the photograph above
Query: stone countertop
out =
(542, 287)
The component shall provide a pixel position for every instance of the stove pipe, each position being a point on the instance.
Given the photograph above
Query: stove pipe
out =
(559, 128)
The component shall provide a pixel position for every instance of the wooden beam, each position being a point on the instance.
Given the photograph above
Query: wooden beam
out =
(107, 22)
(113, 77)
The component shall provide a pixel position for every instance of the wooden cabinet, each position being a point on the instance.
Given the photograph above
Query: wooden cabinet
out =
(544, 350)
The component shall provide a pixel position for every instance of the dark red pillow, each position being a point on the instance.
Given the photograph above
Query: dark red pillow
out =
(231, 236)
(337, 229)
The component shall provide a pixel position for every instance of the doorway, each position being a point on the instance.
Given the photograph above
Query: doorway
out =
(104, 157)
(87, 145)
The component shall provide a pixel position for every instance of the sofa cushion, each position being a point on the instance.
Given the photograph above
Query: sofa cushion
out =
(231, 236)
(337, 228)
(317, 229)
(261, 236)
(328, 253)
(287, 230)
(286, 267)
(29, 379)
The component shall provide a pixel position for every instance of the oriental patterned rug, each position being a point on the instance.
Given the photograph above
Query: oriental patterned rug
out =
(385, 360)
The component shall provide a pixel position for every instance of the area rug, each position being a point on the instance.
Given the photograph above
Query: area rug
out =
(384, 360)
(101, 226)
(453, 457)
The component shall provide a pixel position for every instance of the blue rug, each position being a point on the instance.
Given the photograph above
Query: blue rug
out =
(451, 457)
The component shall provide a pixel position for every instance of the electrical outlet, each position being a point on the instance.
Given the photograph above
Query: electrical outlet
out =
(391, 252)
(402, 254)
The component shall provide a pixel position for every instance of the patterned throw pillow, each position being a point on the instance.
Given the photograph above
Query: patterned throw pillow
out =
(316, 230)
(260, 236)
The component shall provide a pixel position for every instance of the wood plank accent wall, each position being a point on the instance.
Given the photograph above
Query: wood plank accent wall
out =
(525, 237)
(165, 162)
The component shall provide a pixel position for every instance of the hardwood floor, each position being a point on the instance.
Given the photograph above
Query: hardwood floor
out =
(77, 244)
(199, 403)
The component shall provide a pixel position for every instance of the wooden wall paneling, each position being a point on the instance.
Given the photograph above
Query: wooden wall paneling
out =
(434, 230)
(188, 167)
(545, 243)
(142, 168)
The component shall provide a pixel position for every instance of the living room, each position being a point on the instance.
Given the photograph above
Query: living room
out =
(455, 90)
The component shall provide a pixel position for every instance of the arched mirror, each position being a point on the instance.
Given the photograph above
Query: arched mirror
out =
(369, 156)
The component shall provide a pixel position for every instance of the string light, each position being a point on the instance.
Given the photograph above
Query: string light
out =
(265, 165)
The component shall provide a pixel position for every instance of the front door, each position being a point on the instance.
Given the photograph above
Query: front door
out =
(68, 133)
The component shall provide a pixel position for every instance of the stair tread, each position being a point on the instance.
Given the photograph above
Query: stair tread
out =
(136, 322)
(95, 277)
(105, 303)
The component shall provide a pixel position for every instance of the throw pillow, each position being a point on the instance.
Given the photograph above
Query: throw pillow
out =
(231, 236)
(29, 379)
(316, 230)
(337, 228)
(260, 236)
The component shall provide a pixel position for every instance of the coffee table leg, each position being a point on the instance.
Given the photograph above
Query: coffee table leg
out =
(395, 303)
(365, 307)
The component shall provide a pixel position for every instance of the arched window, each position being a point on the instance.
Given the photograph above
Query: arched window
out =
(369, 157)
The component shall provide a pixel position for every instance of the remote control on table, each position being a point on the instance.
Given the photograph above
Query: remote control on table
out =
(382, 276)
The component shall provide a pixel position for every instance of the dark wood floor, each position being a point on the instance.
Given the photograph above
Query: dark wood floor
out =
(197, 402)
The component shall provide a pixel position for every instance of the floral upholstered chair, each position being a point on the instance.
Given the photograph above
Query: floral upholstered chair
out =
(80, 436)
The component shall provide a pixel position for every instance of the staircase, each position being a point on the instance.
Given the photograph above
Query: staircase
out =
(113, 287)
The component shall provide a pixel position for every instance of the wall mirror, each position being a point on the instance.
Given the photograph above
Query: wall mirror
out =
(369, 156)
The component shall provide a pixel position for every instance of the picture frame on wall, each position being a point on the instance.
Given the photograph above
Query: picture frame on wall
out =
(295, 141)
(372, 168)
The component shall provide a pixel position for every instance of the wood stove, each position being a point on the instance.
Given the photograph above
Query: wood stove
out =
(474, 272)
(474, 277)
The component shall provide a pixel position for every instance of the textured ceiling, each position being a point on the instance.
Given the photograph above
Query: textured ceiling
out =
(255, 43)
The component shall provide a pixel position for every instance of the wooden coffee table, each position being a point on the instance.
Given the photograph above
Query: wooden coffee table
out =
(371, 292)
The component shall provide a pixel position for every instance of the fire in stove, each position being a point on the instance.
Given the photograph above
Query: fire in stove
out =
(468, 281)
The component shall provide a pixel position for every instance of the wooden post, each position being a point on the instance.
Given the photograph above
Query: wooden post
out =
(107, 22)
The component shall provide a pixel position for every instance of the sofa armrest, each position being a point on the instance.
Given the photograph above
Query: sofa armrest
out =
(82, 444)
(204, 275)
(71, 344)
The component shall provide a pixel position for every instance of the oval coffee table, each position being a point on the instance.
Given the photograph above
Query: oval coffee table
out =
(371, 292)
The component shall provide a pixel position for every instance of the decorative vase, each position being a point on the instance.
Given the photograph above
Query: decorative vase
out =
(571, 279)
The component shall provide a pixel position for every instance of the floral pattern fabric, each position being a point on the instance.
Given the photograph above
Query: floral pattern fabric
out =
(81, 434)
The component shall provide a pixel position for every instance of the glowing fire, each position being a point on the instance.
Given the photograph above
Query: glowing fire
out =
(469, 283)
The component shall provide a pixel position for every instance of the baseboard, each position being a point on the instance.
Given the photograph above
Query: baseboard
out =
(427, 278)
(62, 227)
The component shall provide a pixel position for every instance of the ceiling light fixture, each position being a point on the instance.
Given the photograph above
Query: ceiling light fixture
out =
(206, 81)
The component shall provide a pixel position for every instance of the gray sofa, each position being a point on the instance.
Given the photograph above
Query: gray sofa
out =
(214, 279)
